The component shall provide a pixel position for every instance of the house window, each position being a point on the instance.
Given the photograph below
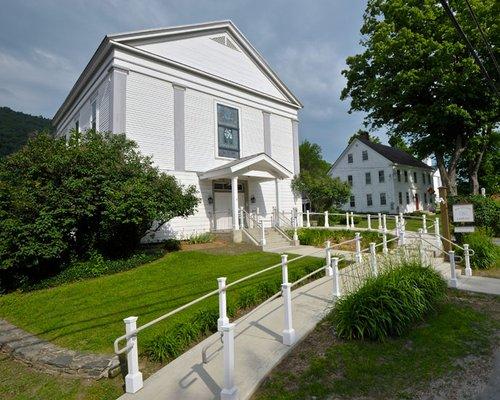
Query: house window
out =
(364, 155)
(352, 202)
(228, 131)
(369, 201)
(381, 176)
(406, 176)
(382, 199)
(77, 126)
(93, 115)
(399, 175)
(414, 177)
(429, 179)
(407, 198)
(368, 178)
(349, 158)
(425, 198)
(423, 177)
(349, 180)
(400, 198)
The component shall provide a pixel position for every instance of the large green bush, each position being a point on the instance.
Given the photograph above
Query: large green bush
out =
(61, 201)
(487, 254)
(387, 305)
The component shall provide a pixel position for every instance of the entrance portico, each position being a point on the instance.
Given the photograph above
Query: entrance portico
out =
(256, 168)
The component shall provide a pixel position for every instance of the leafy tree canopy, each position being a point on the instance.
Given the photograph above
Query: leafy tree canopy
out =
(364, 134)
(311, 159)
(416, 77)
(96, 193)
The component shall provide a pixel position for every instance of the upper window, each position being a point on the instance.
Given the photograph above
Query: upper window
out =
(429, 179)
(364, 155)
(93, 115)
(349, 179)
(349, 158)
(415, 177)
(228, 131)
(77, 126)
(383, 201)
(406, 176)
(423, 177)
(399, 175)
(381, 176)
(368, 178)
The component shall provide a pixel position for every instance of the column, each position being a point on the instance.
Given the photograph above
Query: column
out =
(234, 197)
(277, 201)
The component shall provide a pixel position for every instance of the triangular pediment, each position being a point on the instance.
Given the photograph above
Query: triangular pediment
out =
(218, 50)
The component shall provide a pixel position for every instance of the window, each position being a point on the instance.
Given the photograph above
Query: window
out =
(349, 179)
(368, 178)
(364, 155)
(93, 116)
(429, 179)
(77, 126)
(399, 175)
(228, 131)
(400, 198)
(414, 177)
(382, 199)
(369, 200)
(425, 198)
(406, 176)
(381, 176)
(423, 177)
(407, 198)
(349, 158)
(352, 202)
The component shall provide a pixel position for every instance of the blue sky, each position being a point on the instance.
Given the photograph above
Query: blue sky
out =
(44, 45)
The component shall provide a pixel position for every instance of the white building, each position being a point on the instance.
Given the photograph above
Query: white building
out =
(384, 179)
(206, 106)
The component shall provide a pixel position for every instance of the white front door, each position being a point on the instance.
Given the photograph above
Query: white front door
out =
(223, 209)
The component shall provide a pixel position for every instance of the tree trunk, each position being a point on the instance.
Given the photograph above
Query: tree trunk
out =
(449, 174)
(475, 163)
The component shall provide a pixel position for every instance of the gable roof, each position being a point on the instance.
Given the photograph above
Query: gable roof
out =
(127, 41)
(390, 153)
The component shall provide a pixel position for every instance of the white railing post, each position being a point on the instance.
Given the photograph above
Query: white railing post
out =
(421, 247)
(385, 250)
(328, 259)
(336, 280)
(396, 219)
(468, 270)
(286, 292)
(369, 221)
(384, 222)
(223, 319)
(242, 222)
(295, 237)
(347, 224)
(308, 219)
(133, 379)
(262, 233)
(229, 390)
(453, 272)
(373, 259)
(424, 223)
(437, 234)
(379, 221)
(352, 220)
(401, 241)
(358, 256)
(327, 223)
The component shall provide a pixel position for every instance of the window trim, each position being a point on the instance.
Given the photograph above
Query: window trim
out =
(369, 200)
(368, 175)
(351, 182)
(383, 176)
(352, 201)
(385, 198)
(350, 155)
(363, 152)
(398, 173)
(216, 129)
(406, 176)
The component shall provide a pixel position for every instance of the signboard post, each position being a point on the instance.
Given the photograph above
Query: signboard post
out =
(445, 221)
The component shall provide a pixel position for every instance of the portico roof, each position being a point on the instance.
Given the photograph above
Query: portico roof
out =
(257, 165)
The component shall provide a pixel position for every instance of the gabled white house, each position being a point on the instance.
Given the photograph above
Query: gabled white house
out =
(384, 179)
(206, 106)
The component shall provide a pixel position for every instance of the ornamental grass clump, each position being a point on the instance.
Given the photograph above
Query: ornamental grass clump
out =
(388, 305)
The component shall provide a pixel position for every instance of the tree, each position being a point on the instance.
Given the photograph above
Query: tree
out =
(363, 134)
(61, 201)
(314, 182)
(398, 142)
(416, 77)
(311, 158)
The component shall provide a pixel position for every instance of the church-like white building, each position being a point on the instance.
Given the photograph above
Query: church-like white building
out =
(207, 107)
(384, 179)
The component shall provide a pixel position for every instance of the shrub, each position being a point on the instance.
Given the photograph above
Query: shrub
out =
(487, 254)
(205, 237)
(389, 304)
(318, 237)
(62, 200)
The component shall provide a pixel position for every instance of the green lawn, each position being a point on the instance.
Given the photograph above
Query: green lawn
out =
(88, 315)
(325, 367)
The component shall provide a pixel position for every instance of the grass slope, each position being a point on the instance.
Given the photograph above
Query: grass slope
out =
(88, 315)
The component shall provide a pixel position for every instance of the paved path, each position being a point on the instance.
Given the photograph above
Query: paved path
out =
(258, 349)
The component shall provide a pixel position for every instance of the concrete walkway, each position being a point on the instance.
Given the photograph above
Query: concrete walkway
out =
(258, 348)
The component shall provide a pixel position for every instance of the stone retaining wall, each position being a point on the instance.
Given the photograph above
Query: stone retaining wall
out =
(44, 355)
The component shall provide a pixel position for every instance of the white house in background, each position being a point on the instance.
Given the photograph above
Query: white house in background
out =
(436, 178)
(207, 107)
(383, 178)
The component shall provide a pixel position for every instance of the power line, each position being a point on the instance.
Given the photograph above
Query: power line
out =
(459, 29)
(483, 36)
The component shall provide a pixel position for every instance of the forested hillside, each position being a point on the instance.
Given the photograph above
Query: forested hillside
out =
(15, 128)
